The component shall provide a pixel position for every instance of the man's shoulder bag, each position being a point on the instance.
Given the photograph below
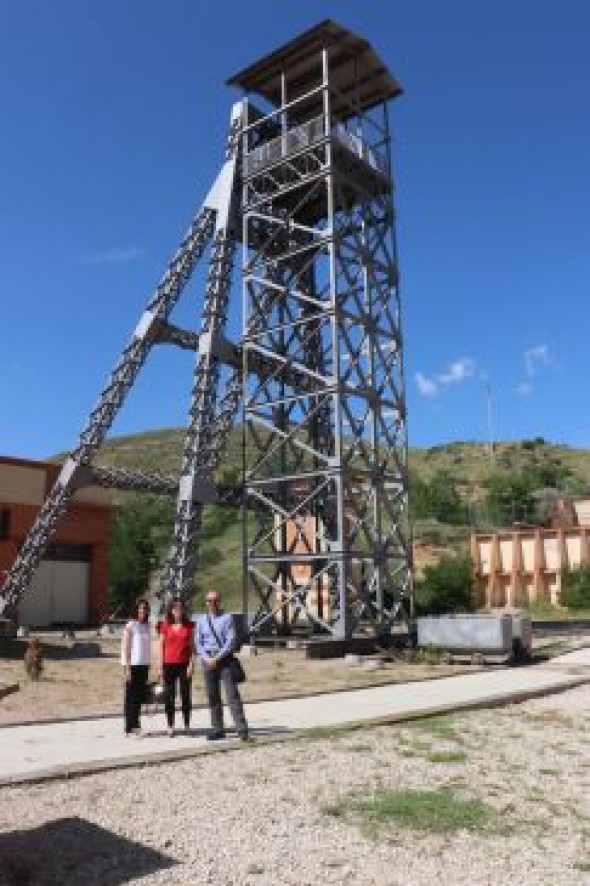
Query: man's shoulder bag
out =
(235, 665)
(237, 671)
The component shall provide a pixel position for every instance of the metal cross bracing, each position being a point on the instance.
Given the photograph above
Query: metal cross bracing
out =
(307, 191)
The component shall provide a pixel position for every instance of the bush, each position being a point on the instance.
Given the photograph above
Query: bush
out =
(437, 499)
(575, 588)
(446, 587)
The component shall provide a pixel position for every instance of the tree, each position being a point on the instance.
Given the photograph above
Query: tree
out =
(140, 532)
(446, 587)
(510, 498)
(437, 499)
(575, 588)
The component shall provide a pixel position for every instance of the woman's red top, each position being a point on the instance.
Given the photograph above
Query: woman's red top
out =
(178, 642)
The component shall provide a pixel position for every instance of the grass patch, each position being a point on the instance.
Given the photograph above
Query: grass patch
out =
(418, 746)
(446, 757)
(551, 650)
(428, 655)
(442, 727)
(541, 610)
(435, 811)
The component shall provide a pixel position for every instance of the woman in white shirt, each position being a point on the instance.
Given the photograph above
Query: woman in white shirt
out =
(136, 654)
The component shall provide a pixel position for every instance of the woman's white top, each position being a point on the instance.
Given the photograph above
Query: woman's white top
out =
(138, 634)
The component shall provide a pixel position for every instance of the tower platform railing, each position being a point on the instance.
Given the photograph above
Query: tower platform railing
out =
(304, 135)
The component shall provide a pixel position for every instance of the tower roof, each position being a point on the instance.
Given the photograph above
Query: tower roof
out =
(356, 70)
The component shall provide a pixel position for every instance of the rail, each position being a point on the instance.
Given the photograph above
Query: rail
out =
(310, 133)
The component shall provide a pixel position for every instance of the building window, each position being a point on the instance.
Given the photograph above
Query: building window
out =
(4, 523)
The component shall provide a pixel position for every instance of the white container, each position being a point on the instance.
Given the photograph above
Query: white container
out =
(491, 634)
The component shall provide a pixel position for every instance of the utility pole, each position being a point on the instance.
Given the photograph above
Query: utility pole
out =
(488, 388)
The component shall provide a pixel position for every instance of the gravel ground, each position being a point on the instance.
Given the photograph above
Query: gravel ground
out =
(259, 815)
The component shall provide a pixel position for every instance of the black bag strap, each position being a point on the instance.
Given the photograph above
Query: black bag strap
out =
(214, 632)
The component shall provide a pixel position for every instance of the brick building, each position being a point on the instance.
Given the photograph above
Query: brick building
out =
(71, 583)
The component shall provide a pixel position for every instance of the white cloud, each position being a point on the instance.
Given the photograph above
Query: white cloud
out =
(524, 389)
(426, 386)
(111, 256)
(535, 359)
(458, 371)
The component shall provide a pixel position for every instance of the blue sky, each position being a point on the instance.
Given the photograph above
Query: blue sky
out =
(113, 117)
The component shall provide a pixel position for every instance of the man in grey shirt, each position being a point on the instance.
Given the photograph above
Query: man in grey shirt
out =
(215, 641)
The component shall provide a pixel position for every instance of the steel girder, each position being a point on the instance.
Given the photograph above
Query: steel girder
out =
(214, 218)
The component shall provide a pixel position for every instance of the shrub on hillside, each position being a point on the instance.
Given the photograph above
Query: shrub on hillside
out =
(575, 588)
(446, 587)
(437, 499)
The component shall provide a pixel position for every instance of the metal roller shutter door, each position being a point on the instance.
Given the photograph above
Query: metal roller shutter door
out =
(36, 605)
(59, 593)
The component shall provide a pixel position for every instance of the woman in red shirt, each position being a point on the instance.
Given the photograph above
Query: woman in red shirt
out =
(176, 655)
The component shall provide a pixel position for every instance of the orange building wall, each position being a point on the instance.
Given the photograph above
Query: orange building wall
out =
(84, 524)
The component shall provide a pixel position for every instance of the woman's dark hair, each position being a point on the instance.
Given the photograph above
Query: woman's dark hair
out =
(141, 601)
(170, 607)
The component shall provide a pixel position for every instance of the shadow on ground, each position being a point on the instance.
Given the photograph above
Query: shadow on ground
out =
(71, 851)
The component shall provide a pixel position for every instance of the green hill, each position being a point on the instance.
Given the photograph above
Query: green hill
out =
(458, 473)
(468, 464)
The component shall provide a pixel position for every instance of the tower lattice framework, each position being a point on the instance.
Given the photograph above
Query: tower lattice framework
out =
(305, 195)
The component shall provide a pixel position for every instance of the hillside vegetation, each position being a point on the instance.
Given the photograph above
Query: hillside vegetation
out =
(468, 463)
(455, 488)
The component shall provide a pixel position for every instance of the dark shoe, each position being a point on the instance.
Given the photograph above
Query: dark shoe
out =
(243, 736)
(216, 736)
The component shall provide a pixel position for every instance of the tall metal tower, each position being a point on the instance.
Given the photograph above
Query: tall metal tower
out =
(306, 190)
(326, 461)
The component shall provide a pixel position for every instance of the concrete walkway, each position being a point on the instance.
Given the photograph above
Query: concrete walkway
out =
(54, 750)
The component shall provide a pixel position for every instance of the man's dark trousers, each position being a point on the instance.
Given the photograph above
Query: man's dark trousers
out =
(213, 679)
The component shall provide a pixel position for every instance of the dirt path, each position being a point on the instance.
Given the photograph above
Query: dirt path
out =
(76, 686)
